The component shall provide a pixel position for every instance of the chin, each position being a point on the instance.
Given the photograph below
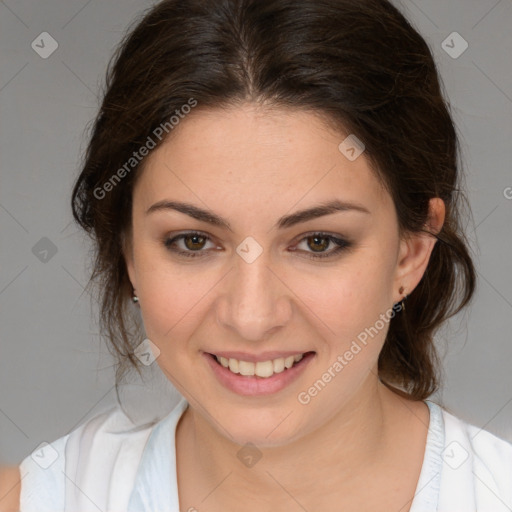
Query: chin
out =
(262, 428)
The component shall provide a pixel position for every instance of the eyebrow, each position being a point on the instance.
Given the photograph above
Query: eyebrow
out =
(286, 221)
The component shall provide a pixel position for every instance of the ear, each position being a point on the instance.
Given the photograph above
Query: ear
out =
(415, 250)
(127, 248)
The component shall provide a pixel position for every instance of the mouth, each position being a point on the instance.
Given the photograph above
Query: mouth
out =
(261, 369)
(255, 378)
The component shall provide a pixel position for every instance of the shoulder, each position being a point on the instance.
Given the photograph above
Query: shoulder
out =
(10, 481)
(477, 457)
(41, 474)
(79, 464)
(492, 451)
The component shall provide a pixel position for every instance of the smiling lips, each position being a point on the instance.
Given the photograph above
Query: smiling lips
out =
(262, 369)
(261, 374)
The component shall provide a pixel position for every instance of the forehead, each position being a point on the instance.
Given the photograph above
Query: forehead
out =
(260, 156)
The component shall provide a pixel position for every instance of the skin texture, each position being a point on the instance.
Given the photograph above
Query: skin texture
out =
(251, 165)
(10, 485)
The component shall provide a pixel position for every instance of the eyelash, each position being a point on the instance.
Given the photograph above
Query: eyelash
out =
(339, 242)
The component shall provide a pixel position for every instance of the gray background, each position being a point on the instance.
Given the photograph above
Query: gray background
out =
(54, 370)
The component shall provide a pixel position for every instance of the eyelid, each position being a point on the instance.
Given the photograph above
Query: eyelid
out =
(170, 239)
(340, 244)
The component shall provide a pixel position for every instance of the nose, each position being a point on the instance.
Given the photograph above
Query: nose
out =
(255, 302)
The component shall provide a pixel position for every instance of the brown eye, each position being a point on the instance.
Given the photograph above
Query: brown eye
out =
(194, 242)
(318, 243)
(191, 245)
(322, 245)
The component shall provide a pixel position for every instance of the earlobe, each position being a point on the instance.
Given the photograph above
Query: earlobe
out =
(416, 248)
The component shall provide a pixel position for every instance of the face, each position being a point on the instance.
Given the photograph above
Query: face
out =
(236, 263)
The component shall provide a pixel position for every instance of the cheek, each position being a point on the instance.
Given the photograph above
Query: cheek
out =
(169, 302)
(349, 298)
(172, 308)
(173, 299)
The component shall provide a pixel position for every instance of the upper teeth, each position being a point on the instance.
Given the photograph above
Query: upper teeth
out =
(261, 368)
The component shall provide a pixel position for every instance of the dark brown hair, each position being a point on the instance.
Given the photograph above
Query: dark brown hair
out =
(359, 63)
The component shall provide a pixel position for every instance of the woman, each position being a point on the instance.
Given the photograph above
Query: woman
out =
(275, 184)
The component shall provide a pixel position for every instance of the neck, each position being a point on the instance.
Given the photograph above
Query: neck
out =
(341, 454)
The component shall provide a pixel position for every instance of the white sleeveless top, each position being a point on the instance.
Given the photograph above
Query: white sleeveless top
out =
(109, 464)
